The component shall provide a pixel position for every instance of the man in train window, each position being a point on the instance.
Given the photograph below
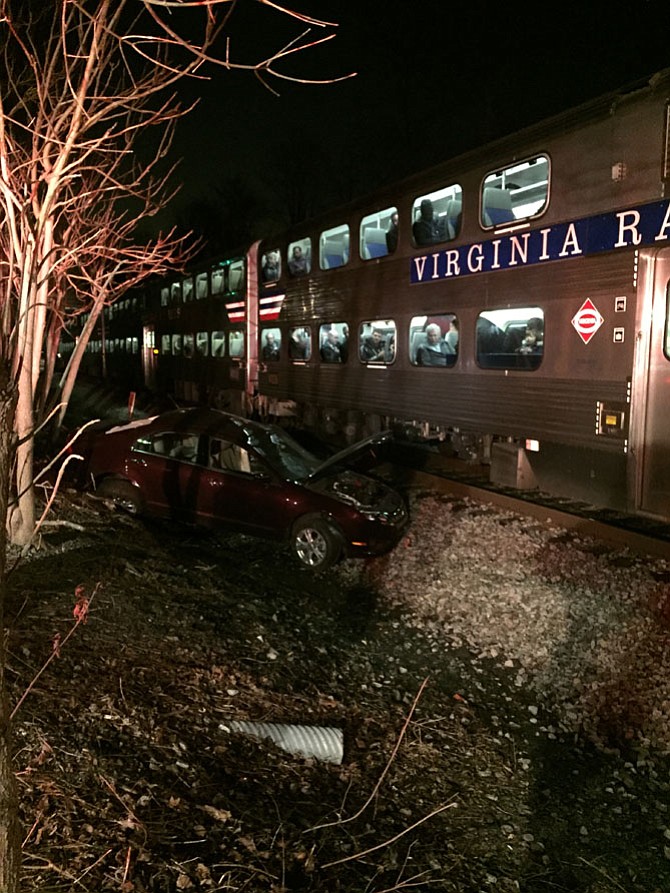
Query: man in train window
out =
(270, 348)
(373, 347)
(425, 228)
(435, 350)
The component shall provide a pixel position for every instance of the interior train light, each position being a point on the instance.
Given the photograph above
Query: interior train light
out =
(533, 446)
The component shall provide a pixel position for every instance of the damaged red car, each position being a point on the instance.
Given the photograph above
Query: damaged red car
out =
(210, 468)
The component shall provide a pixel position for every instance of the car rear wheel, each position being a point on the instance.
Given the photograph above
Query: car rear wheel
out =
(122, 493)
(315, 544)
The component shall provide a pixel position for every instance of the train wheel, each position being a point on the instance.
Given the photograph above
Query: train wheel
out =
(315, 544)
(122, 493)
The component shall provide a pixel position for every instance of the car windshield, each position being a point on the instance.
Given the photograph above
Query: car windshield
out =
(284, 454)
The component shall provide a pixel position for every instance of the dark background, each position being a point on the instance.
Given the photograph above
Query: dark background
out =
(434, 78)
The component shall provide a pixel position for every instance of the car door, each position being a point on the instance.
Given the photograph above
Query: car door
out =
(238, 489)
(168, 467)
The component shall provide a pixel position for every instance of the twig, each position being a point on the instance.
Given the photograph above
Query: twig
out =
(386, 768)
(604, 874)
(449, 805)
(80, 617)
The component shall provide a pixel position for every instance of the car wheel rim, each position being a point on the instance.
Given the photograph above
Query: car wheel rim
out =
(311, 547)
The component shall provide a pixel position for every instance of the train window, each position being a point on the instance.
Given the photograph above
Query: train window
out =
(376, 342)
(334, 247)
(271, 265)
(187, 346)
(300, 257)
(218, 344)
(379, 234)
(236, 343)
(433, 340)
(218, 280)
(135, 345)
(512, 338)
(201, 286)
(176, 345)
(436, 216)
(300, 343)
(515, 193)
(270, 344)
(165, 296)
(166, 344)
(187, 289)
(175, 292)
(236, 275)
(334, 342)
(202, 343)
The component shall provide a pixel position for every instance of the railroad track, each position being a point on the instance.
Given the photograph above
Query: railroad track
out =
(423, 469)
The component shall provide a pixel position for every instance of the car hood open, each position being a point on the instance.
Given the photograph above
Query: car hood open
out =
(363, 453)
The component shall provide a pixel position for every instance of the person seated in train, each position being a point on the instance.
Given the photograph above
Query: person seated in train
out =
(425, 228)
(435, 350)
(270, 348)
(489, 337)
(298, 346)
(389, 353)
(392, 234)
(331, 351)
(297, 264)
(452, 336)
(344, 343)
(373, 348)
(533, 341)
(271, 266)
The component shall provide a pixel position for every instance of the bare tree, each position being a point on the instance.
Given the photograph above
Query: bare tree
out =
(80, 82)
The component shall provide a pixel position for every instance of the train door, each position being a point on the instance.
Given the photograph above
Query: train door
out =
(650, 434)
(149, 357)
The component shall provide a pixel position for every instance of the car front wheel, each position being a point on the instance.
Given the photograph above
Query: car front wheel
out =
(315, 544)
(122, 493)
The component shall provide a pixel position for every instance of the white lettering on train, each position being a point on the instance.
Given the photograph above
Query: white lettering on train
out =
(453, 266)
(518, 249)
(545, 241)
(665, 225)
(635, 237)
(571, 241)
(477, 250)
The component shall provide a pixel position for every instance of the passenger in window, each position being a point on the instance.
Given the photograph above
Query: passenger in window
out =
(436, 350)
(452, 336)
(489, 336)
(389, 353)
(392, 234)
(270, 348)
(298, 262)
(271, 267)
(344, 343)
(331, 350)
(373, 348)
(533, 341)
(298, 346)
(425, 228)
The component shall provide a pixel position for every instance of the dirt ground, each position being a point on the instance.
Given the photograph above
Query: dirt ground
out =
(129, 780)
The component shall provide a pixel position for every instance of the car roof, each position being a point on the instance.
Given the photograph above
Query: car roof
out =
(196, 421)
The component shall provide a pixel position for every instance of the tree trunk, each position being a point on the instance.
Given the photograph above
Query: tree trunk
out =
(10, 831)
(21, 516)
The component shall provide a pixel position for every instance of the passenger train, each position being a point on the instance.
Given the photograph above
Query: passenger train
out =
(511, 304)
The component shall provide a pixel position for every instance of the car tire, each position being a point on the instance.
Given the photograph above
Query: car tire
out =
(315, 544)
(122, 493)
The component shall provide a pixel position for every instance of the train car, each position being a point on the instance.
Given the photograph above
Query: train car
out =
(511, 304)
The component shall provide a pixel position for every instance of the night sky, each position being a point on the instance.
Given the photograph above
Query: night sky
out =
(435, 78)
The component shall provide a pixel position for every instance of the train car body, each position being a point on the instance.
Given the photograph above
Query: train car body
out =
(566, 223)
(511, 303)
